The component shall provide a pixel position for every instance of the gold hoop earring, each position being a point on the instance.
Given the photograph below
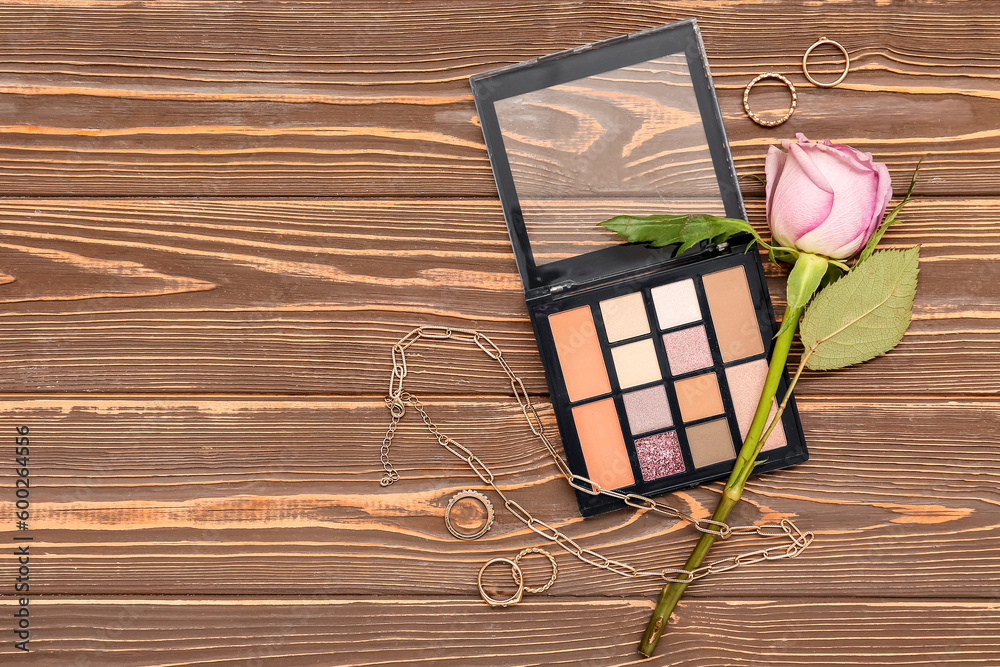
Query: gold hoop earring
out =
(805, 63)
(757, 119)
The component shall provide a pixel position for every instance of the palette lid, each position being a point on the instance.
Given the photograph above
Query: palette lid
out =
(630, 125)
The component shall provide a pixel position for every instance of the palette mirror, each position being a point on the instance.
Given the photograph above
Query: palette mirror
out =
(629, 141)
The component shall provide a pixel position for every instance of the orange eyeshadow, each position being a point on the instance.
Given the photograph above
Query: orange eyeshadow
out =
(579, 353)
(603, 445)
(699, 397)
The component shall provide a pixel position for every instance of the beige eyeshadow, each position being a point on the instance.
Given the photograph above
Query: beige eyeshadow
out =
(624, 317)
(603, 444)
(746, 382)
(635, 363)
(699, 397)
(579, 352)
(710, 443)
(733, 314)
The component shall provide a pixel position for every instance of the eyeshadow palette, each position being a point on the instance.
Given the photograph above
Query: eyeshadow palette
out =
(654, 362)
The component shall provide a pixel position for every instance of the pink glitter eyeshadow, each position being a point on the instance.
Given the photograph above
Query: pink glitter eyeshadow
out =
(659, 455)
(687, 350)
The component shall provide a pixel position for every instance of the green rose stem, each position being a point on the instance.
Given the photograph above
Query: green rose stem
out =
(737, 480)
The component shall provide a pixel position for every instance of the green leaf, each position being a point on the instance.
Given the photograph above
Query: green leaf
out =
(890, 219)
(687, 230)
(864, 314)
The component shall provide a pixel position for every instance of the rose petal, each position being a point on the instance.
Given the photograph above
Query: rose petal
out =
(801, 199)
(850, 218)
(773, 164)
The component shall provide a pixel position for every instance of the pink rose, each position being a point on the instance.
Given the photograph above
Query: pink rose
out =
(824, 198)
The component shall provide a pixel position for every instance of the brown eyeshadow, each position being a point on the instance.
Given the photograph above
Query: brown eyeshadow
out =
(733, 313)
(699, 397)
(710, 443)
(603, 445)
(579, 352)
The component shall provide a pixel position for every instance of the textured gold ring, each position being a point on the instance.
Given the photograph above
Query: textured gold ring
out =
(518, 577)
(805, 63)
(552, 561)
(746, 99)
(481, 499)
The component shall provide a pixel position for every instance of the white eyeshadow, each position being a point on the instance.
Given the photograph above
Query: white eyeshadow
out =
(635, 363)
(676, 304)
(624, 317)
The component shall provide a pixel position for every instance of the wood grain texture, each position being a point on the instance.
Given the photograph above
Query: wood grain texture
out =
(215, 219)
(308, 631)
(371, 99)
(307, 297)
(245, 496)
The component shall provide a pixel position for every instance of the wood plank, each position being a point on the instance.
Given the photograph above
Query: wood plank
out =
(373, 100)
(300, 632)
(229, 495)
(307, 297)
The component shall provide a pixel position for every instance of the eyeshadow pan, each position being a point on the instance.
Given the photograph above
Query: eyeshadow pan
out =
(687, 350)
(710, 443)
(635, 363)
(699, 397)
(676, 304)
(733, 313)
(746, 382)
(647, 409)
(659, 455)
(603, 444)
(624, 317)
(579, 352)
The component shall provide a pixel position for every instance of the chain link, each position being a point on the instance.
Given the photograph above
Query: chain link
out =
(398, 399)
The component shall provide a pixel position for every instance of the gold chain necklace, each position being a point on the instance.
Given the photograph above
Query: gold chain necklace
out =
(398, 398)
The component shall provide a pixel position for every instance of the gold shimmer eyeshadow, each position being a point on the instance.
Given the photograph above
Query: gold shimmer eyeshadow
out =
(699, 397)
(624, 317)
(710, 443)
(746, 382)
(602, 443)
(733, 313)
(579, 353)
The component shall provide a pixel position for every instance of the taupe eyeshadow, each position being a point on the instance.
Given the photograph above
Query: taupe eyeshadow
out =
(710, 443)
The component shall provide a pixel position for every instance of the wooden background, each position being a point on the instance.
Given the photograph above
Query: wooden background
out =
(215, 219)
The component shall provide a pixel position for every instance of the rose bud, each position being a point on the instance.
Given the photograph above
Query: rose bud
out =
(824, 198)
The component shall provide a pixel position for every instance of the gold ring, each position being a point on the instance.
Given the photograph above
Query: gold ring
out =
(518, 577)
(746, 99)
(552, 561)
(475, 495)
(805, 63)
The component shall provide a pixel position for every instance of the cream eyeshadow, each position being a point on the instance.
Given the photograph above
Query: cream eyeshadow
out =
(624, 317)
(635, 363)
